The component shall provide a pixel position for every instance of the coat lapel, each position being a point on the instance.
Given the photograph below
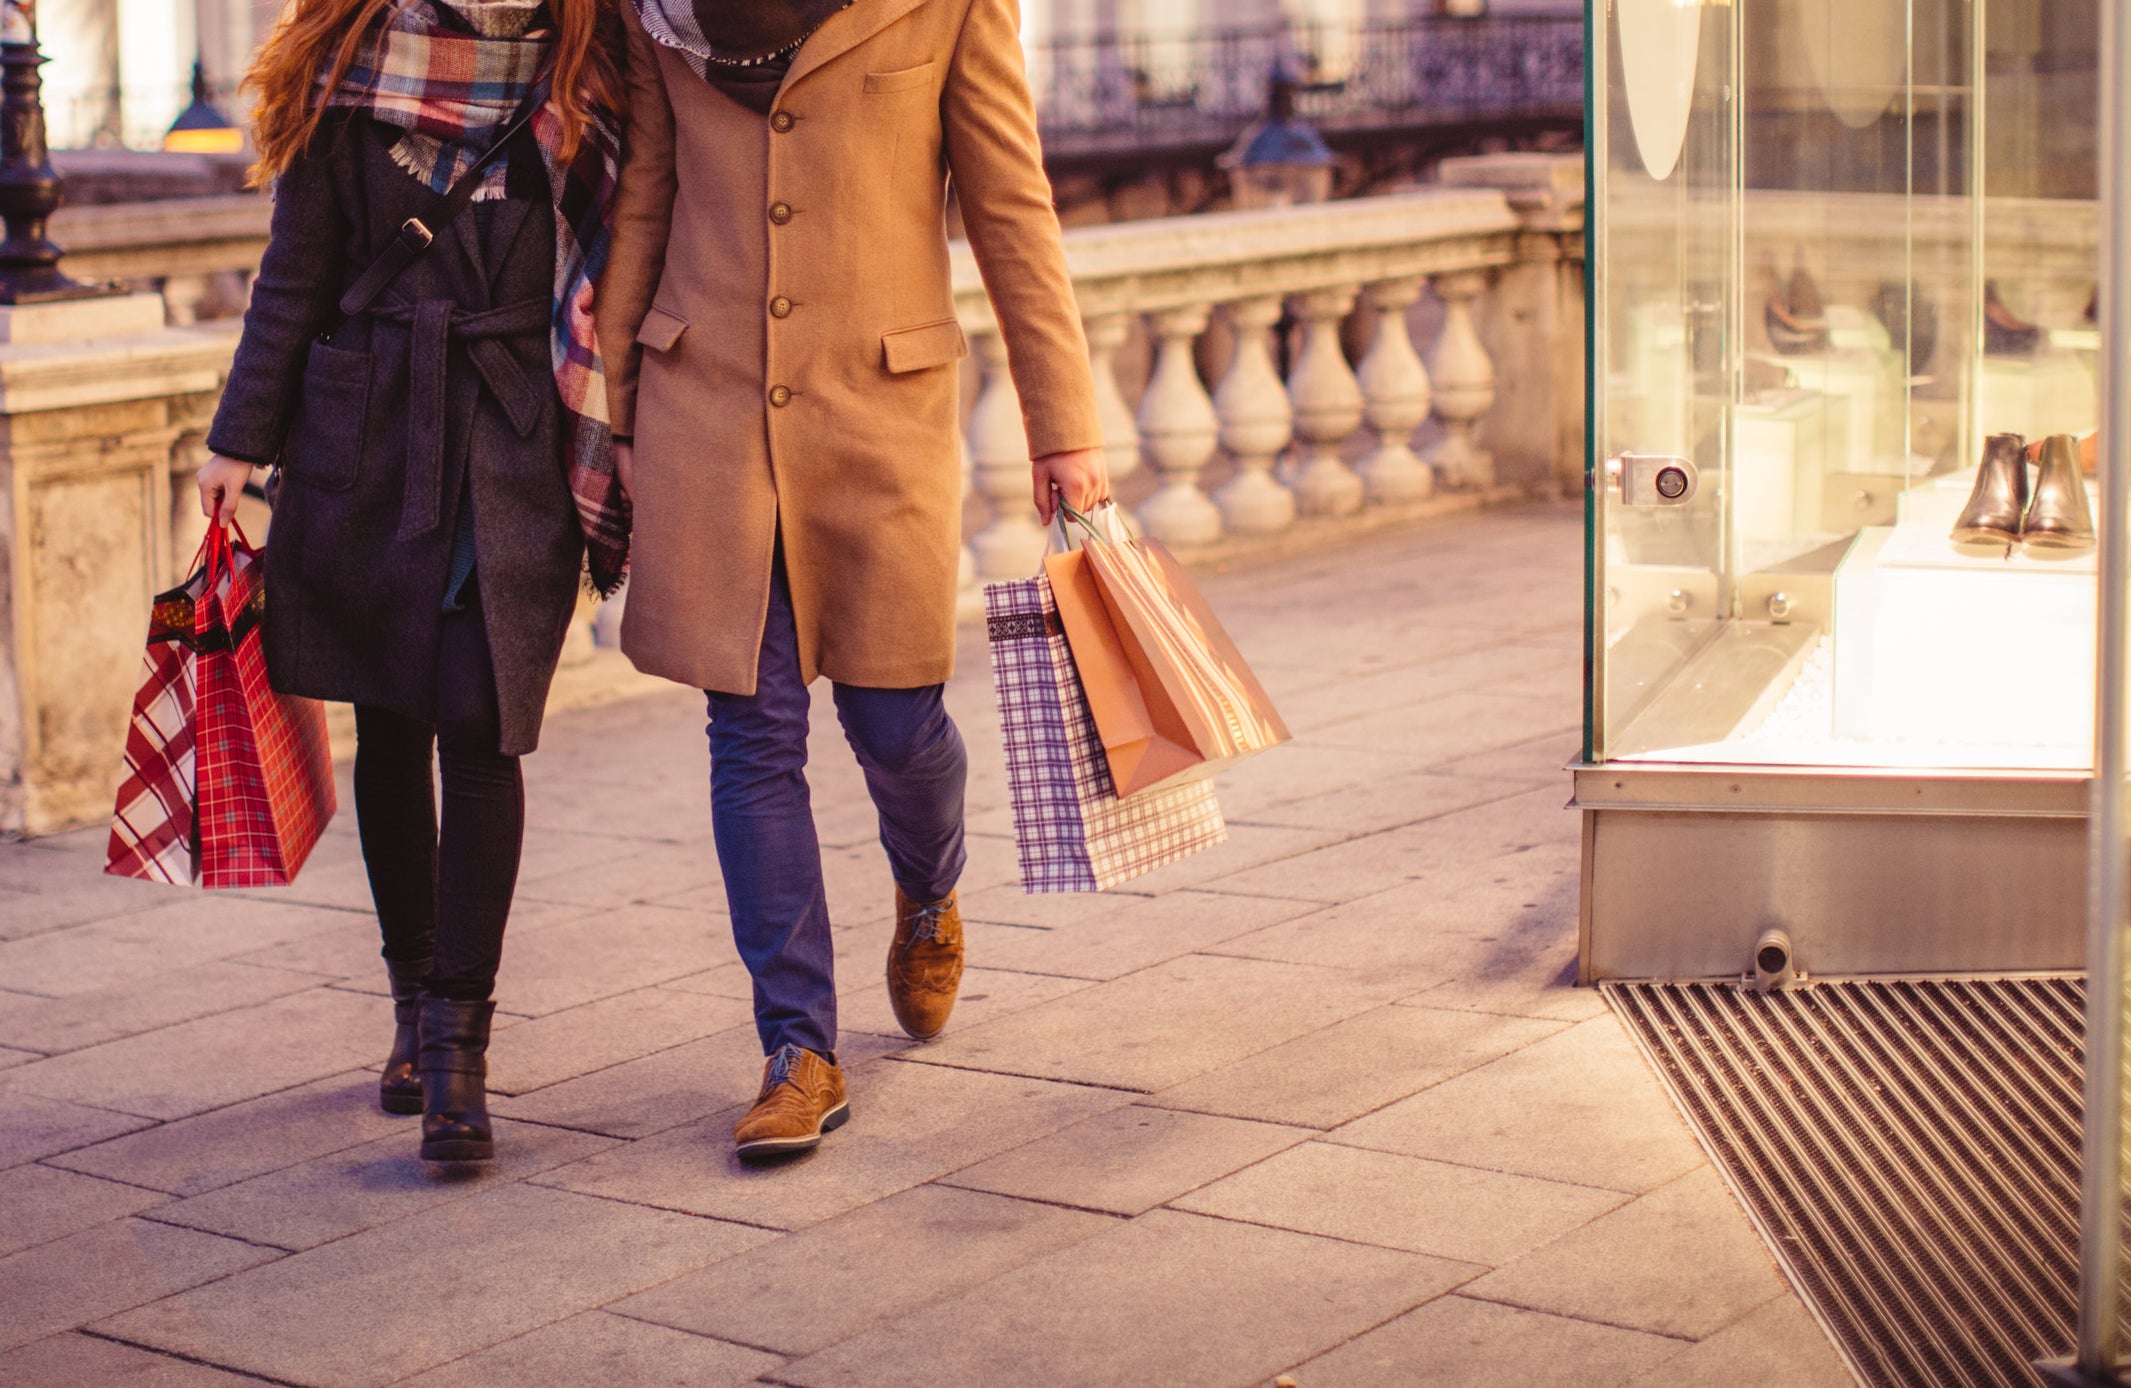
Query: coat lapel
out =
(844, 31)
(503, 237)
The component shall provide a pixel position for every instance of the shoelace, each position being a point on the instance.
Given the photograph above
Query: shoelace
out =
(782, 1064)
(926, 923)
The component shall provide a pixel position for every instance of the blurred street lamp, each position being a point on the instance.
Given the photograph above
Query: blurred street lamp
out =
(200, 128)
(29, 189)
(1281, 160)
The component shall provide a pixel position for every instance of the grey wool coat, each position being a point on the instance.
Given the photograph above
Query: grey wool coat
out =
(377, 433)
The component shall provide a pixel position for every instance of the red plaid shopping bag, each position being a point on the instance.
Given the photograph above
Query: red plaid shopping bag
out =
(151, 827)
(265, 770)
(1071, 830)
(227, 782)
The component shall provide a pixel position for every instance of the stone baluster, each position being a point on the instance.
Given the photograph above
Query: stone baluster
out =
(1178, 432)
(1257, 424)
(1328, 406)
(1107, 333)
(1395, 394)
(1011, 543)
(1464, 379)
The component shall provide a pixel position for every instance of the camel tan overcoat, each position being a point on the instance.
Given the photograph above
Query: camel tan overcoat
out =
(779, 332)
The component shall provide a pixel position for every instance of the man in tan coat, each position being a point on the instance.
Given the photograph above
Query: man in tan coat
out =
(778, 326)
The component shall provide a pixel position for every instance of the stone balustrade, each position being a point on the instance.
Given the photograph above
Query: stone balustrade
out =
(1335, 435)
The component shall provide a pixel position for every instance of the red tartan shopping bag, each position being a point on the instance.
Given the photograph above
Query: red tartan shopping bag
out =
(151, 827)
(261, 785)
(1072, 831)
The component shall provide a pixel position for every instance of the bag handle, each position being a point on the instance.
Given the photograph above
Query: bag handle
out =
(1113, 519)
(417, 235)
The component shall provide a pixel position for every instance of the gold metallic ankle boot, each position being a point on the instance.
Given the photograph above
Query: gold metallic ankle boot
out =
(1992, 515)
(2058, 517)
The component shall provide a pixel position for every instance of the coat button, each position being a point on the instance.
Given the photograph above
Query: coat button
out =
(780, 212)
(780, 307)
(780, 396)
(781, 121)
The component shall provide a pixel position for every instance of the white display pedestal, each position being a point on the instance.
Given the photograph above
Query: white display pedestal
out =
(1780, 454)
(1960, 645)
(2051, 392)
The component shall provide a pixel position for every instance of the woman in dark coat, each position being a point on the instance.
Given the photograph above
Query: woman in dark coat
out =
(442, 455)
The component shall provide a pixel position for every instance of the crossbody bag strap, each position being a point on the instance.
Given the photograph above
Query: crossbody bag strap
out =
(418, 234)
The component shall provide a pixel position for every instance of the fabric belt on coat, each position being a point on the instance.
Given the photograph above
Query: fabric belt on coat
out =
(434, 323)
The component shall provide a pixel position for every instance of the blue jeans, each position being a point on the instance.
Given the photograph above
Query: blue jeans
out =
(763, 820)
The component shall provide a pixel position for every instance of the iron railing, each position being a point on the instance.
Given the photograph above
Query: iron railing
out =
(1129, 91)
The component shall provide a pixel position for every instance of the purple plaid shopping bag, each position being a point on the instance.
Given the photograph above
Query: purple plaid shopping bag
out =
(1071, 830)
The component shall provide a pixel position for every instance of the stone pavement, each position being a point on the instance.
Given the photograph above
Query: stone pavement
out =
(1321, 1102)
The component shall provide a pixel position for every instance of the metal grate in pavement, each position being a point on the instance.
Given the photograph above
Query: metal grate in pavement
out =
(1909, 1149)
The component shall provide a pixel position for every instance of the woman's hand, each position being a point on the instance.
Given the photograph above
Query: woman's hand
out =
(1082, 477)
(221, 483)
(625, 467)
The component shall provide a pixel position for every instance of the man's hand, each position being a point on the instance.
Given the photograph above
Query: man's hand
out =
(625, 466)
(221, 483)
(1082, 477)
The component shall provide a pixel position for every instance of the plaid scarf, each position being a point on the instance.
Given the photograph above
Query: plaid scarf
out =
(447, 89)
(733, 33)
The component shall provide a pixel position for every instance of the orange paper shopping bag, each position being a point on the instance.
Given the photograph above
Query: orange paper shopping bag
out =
(1146, 743)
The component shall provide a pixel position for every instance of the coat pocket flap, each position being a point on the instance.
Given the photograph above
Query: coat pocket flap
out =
(880, 83)
(661, 330)
(931, 344)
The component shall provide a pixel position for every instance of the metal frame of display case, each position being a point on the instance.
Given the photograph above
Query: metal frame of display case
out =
(1689, 867)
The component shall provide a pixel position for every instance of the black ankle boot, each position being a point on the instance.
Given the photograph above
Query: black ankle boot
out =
(399, 1089)
(454, 1071)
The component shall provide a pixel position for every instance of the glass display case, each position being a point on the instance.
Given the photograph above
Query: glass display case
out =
(1842, 515)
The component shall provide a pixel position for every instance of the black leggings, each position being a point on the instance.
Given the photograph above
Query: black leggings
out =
(442, 899)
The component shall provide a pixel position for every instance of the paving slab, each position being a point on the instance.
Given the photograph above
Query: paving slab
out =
(393, 1301)
(1390, 802)
(668, 1088)
(1579, 1106)
(1164, 1025)
(1456, 1342)
(91, 1274)
(1342, 1071)
(41, 1203)
(986, 994)
(54, 1025)
(1481, 666)
(1128, 1160)
(331, 1197)
(1106, 935)
(1248, 845)
(806, 1291)
(595, 1035)
(1458, 725)
(1778, 1346)
(1402, 1202)
(1166, 1298)
(1679, 1261)
(228, 1145)
(221, 1059)
(593, 1347)
(1435, 850)
(349, 953)
(187, 929)
(74, 1360)
(634, 874)
(1300, 771)
(32, 1126)
(605, 953)
(909, 1124)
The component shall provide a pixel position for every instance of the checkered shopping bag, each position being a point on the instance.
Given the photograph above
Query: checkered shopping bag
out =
(228, 782)
(1071, 830)
(151, 827)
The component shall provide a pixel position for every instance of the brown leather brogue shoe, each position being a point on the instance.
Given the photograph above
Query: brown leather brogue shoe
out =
(802, 1097)
(925, 963)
